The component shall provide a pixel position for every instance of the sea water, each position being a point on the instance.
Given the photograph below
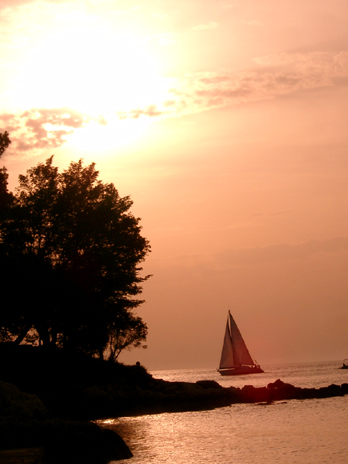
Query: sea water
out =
(286, 432)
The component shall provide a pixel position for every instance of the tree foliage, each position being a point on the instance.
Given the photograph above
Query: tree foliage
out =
(4, 142)
(5, 196)
(70, 244)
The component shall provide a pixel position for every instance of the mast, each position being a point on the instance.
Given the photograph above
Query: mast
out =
(227, 359)
(240, 351)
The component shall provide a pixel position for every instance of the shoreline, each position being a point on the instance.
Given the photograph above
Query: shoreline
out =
(58, 438)
(51, 400)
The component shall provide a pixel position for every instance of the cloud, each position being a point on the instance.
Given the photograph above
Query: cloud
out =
(6, 4)
(322, 62)
(42, 128)
(150, 111)
(214, 79)
(277, 75)
(13, 3)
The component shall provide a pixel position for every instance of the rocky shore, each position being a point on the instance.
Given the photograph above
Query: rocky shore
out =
(51, 409)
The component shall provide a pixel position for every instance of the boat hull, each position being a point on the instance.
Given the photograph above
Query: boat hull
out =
(242, 370)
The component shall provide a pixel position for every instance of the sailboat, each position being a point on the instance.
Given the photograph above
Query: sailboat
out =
(235, 356)
(345, 364)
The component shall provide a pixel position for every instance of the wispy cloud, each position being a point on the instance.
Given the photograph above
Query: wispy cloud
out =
(13, 3)
(277, 75)
(150, 111)
(315, 61)
(42, 128)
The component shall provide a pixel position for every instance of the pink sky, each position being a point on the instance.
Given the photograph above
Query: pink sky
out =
(226, 123)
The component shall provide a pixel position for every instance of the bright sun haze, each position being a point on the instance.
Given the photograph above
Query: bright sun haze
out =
(103, 70)
(92, 66)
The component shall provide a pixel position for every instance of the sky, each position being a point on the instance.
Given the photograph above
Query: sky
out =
(226, 123)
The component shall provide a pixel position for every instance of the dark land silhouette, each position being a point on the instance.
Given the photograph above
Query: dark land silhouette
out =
(67, 392)
(70, 256)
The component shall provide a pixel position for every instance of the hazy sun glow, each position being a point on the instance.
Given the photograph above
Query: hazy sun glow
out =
(93, 69)
(116, 134)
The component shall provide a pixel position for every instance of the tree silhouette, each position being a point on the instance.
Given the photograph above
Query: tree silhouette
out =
(73, 248)
(4, 142)
(5, 196)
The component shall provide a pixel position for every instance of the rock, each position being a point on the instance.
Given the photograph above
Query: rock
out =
(250, 394)
(22, 456)
(280, 384)
(114, 446)
(208, 384)
(20, 406)
(21, 417)
(26, 429)
(344, 388)
(331, 390)
(83, 442)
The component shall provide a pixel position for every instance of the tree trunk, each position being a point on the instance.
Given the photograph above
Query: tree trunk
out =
(22, 335)
(44, 335)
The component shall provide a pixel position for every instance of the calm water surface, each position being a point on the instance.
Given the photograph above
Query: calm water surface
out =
(289, 432)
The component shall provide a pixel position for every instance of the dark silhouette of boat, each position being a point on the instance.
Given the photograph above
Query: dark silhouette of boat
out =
(344, 364)
(235, 356)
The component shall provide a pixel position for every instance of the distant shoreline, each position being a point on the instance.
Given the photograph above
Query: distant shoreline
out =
(76, 387)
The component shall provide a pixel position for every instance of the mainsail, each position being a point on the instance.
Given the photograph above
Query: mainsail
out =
(234, 351)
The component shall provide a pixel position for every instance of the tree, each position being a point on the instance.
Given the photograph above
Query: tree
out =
(70, 241)
(4, 142)
(5, 196)
(125, 331)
